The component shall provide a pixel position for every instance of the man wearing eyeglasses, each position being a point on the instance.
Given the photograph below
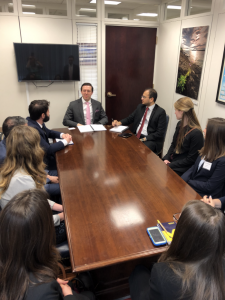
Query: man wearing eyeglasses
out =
(149, 121)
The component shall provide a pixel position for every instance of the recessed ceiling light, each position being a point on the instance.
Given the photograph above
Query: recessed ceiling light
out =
(29, 13)
(28, 5)
(148, 15)
(87, 9)
(174, 7)
(107, 2)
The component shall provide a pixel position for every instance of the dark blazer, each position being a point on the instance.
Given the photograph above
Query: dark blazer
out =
(207, 182)
(45, 135)
(2, 150)
(76, 72)
(75, 113)
(193, 142)
(156, 126)
(49, 291)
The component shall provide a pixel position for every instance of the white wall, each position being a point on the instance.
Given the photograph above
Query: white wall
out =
(170, 34)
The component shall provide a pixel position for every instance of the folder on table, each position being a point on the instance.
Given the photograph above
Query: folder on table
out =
(170, 227)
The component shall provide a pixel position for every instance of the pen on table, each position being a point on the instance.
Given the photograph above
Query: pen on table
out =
(169, 234)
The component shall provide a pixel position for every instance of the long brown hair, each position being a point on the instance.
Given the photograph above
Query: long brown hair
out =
(27, 244)
(214, 146)
(186, 105)
(23, 152)
(197, 251)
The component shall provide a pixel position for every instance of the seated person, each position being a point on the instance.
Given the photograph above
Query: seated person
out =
(193, 267)
(28, 256)
(187, 140)
(149, 121)
(52, 182)
(39, 114)
(207, 175)
(217, 203)
(85, 111)
(23, 169)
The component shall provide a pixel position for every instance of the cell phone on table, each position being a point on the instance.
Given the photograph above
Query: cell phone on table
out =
(125, 135)
(156, 236)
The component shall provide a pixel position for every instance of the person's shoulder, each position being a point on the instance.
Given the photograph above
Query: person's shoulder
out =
(159, 109)
(32, 123)
(75, 102)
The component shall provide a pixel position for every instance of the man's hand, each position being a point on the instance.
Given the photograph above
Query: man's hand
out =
(66, 289)
(53, 179)
(78, 124)
(208, 200)
(166, 162)
(61, 216)
(143, 140)
(67, 137)
(116, 123)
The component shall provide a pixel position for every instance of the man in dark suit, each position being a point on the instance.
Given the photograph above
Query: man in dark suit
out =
(71, 71)
(149, 121)
(39, 114)
(85, 110)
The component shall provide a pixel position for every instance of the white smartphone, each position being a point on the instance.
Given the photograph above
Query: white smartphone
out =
(156, 236)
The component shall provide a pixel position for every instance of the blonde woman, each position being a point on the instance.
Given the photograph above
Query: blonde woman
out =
(24, 169)
(187, 140)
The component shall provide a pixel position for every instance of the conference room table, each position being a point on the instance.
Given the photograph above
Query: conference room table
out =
(112, 190)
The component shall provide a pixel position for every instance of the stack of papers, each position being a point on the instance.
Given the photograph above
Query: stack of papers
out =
(92, 127)
(118, 128)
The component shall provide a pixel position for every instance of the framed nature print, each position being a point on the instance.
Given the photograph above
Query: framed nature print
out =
(220, 97)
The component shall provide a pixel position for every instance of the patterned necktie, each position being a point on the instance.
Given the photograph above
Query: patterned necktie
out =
(142, 124)
(88, 115)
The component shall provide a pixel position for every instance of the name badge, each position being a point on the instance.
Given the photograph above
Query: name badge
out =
(207, 165)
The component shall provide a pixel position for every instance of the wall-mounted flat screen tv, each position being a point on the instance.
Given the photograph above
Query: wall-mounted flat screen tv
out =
(47, 62)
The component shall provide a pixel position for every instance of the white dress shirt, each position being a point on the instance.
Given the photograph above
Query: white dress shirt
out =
(85, 109)
(145, 127)
(63, 140)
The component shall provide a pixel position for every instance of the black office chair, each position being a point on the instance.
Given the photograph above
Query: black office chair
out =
(167, 122)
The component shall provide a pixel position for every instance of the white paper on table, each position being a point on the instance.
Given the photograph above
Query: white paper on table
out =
(118, 128)
(98, 127)
(59, 140)
(85, 128)
(71, 128)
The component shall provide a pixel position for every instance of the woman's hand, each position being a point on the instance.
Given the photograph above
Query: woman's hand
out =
(208, 200)
(166, 162)
(66, 289)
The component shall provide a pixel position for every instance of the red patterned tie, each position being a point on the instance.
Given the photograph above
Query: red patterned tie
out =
(142, 124)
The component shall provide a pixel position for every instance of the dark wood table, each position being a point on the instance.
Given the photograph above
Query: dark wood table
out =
(112, 190)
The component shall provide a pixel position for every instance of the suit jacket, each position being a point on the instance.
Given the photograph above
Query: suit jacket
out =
(156, 126)
(165, 284)
(45, 135)
(207, 182)
(76, 72)
(2, 150)
(50, 290)
(75, 113)
(193, 142)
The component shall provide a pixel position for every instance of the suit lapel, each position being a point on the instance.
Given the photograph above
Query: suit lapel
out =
(81, 109)
(94, 107)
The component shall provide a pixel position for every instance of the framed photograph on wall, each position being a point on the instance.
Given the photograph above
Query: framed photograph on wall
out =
(220, 97)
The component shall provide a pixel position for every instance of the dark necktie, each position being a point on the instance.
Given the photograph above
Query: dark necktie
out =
(142, 124)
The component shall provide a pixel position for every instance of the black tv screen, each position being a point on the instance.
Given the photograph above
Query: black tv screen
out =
(51, 62)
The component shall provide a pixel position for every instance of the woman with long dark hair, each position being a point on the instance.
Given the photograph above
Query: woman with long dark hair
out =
(24, 169)
(28, 256)
(187, 139)
(207, 175)
(193, 267)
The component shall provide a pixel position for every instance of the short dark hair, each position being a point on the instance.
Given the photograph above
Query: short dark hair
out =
(37, 108)
(152, 93)
(89, 84)
(11, 122)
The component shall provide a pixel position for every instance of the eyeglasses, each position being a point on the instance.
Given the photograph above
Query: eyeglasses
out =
(176, 217)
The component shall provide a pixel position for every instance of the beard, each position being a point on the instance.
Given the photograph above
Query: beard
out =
(46, 119)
